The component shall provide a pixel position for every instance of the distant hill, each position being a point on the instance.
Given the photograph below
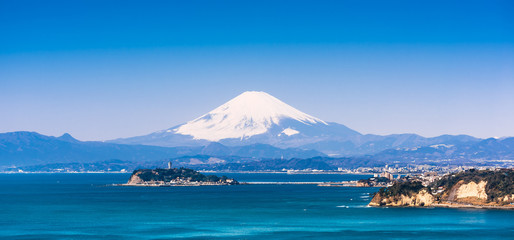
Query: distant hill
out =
(112, 165)
(265, 165)
(488, 149)
(30, 148)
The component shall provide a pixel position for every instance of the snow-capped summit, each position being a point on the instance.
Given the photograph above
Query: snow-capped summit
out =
(257, 118)
(252, 118)
(249, 114)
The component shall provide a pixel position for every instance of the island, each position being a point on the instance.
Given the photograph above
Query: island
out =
(175, 177)
(471, 188)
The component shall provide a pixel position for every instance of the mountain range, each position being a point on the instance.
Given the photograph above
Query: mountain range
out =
(31, 148)
(61, 154)
(253, 130)
(257, 117)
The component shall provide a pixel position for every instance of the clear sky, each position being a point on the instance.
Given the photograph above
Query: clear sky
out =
(107, 69)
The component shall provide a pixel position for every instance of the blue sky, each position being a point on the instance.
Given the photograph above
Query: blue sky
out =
(101, 70)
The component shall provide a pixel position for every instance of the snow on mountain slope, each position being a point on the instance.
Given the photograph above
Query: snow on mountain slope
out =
(249, 114)
(289, 132)
(259, 118)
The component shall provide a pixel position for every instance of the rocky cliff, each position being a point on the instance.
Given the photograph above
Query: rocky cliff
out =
(470, 192)
(419, 199)
(465, 189)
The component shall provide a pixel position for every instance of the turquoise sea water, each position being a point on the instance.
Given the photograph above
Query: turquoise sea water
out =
(86, 206)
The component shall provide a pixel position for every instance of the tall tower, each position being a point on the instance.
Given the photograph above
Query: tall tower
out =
(169, 164)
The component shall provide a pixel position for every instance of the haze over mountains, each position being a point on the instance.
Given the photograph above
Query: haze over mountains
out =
(252, 131)
(30, 148)
(257, 117)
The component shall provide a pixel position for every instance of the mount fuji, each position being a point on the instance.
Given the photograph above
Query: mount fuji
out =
(258, 118)
(248, 115)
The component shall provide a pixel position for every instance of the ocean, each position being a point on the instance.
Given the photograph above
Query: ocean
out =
(88, 206)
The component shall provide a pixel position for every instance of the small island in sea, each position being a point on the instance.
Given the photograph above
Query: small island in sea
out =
(471, 188)
(175, 177)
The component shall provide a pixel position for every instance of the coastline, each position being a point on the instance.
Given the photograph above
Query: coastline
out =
(290, 173)
(64, 172)
(460, 205)
(453, 206)
(172, 185)
(253, 172)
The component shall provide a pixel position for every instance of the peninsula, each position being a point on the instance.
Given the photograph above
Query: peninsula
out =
(175, 177)
(471, 188)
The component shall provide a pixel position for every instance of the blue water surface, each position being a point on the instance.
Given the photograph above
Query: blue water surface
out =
(88, 206)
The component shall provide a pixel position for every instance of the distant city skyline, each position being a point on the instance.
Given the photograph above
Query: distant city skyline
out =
(100, 70)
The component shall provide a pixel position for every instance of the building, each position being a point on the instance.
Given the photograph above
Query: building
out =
(387, 175)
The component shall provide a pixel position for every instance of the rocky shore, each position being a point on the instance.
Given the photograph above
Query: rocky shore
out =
(175, 177)
(469, 189)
